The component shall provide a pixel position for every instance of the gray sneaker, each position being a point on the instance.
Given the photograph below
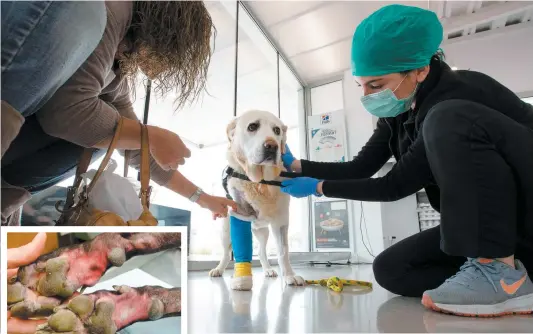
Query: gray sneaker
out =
(483, 288)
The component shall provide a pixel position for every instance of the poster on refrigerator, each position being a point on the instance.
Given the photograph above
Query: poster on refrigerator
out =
(331, 224)
(327, 137)
(327, 144)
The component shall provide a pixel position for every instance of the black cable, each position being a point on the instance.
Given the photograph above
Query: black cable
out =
(361, 219)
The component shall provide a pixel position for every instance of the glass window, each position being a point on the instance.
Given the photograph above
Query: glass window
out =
(257, 79)
(257, 74)
(292, 114)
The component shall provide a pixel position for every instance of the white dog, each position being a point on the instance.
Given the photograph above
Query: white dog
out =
(256, 142)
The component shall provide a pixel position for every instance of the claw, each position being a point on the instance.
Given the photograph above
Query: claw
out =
(122, 288)
(40, 267)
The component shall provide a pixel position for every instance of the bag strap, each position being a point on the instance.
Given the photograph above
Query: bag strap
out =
(146, 189)
(83, 165)
(85, 161)
(107, 156)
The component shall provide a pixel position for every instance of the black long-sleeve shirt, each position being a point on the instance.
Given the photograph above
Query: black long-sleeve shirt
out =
(401, 137)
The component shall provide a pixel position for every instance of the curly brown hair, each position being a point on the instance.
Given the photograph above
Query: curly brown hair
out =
(170, 42)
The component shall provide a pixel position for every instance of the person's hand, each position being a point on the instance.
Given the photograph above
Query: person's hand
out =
(301, 187)
(17, 257)
(287, 158)
(217, 205)
(166, 147)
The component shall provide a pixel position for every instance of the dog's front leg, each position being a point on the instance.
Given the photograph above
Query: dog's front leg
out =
(226, 257)
(262, 236)
(281, 234)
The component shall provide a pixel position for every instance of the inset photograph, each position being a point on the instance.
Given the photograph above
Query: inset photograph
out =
(87, 282)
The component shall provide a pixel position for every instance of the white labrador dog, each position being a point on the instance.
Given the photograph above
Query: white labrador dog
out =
(256, 142)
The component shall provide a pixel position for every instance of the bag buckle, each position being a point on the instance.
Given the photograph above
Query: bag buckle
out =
(147, 192)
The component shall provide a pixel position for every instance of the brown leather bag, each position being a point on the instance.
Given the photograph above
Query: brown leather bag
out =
(78, 212)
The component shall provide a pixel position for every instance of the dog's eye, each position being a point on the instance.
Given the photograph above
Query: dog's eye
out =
(253, 127)
(277, 130)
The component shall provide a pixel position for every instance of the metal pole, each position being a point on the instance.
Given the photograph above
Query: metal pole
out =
(147, 101)
(236, 60)
(279, 88)
(146, 111)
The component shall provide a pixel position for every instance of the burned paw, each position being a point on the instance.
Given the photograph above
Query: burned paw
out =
(82, 316)
(108, 311)
(61, 273)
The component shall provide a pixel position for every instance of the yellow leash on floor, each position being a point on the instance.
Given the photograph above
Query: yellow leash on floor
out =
(337, 284)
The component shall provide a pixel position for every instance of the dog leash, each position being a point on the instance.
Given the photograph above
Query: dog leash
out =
(337, 284)
(230, 172)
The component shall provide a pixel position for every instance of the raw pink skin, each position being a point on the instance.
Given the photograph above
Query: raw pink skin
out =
(127, 309)
(134, 305)
(87, 264)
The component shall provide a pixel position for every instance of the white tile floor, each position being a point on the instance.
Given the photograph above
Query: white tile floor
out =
(272, 308)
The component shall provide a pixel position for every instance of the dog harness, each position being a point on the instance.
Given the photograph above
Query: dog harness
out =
(230, 172)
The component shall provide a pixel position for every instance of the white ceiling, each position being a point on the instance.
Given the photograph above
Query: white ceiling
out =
(315, 36)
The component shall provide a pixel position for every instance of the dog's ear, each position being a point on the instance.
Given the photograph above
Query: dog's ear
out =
(283, 138)
(230, 129)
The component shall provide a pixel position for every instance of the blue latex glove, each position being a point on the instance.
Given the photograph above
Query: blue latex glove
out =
(287, 158)
(300, 187)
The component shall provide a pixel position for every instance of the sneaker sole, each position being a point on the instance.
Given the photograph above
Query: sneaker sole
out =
(519, 305)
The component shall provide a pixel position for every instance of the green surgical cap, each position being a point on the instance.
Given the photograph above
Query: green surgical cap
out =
(395, 38)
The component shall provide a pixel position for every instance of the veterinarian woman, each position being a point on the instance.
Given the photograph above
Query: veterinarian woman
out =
(67, 70)
(463, 137)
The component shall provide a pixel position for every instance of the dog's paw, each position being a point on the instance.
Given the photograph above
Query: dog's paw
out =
(294, 280)
(270, 273)
(243, 283)
(216, 272)
(106, 312)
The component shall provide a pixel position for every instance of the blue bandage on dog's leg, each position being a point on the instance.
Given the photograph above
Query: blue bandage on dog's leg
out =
(241, 240)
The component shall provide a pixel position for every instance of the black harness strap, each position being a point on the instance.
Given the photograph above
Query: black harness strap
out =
(230, 172)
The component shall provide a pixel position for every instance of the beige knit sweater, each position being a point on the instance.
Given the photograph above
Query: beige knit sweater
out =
(86, 109)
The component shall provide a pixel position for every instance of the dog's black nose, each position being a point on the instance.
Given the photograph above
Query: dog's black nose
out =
(271, 146)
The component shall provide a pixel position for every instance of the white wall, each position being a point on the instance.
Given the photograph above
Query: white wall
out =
(399, 219)
(360, 126)
(507, 57)
(327, 98)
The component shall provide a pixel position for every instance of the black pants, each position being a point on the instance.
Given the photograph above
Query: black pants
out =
(483, 163)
